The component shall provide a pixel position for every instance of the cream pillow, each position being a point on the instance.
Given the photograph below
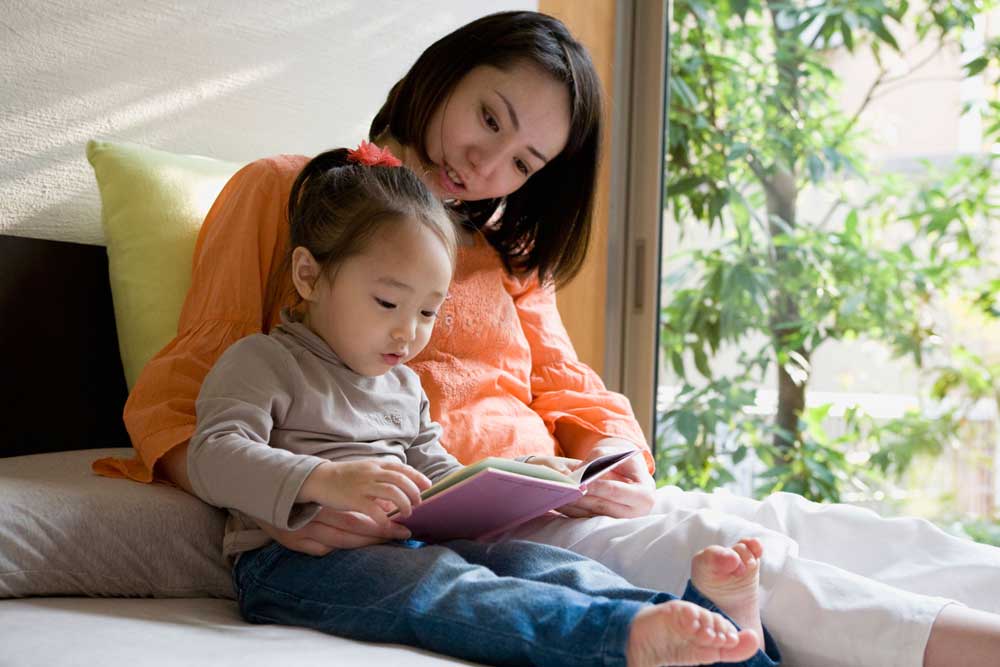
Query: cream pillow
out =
(66, 531)
(152, 206)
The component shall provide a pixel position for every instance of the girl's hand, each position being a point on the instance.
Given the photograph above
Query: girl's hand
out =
(372, 487)
(334, 529)
(625, 492)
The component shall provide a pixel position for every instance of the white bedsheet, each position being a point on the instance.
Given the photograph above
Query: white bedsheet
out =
(119, 632)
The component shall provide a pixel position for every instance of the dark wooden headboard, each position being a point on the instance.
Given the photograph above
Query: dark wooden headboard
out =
(62, 383)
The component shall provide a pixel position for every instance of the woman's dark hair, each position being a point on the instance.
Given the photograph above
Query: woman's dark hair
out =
(337, 207)
(546, 223)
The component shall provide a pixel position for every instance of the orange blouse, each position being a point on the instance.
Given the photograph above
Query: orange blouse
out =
(500, 370)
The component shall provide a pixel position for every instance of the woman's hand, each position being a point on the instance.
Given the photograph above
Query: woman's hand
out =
(625, 492)
(334, 529)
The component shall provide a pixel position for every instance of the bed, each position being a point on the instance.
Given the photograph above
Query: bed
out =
(106, 571)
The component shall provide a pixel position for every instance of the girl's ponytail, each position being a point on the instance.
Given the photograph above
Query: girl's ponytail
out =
(316, 168)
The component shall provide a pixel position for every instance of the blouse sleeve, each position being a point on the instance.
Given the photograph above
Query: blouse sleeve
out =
(563, 388)
(241, 242)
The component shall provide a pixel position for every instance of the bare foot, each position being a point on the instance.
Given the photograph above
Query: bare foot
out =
(682, 633)
(729, 578)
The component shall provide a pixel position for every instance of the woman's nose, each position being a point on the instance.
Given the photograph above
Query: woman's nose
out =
(484, 159)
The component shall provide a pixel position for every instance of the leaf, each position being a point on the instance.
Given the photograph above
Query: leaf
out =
(816, 168)
(738, 151)
(677, 361)
(976, 66)
(684, 185)
(739, 8)
(701, 362)
(739, 454)
(683, 92)
(878, 27)
(851, 223)
(688, 426)
(845, 32)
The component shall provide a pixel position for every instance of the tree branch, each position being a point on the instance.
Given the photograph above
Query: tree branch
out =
(904, 84)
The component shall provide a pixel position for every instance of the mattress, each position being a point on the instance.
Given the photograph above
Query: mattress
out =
(68, 631)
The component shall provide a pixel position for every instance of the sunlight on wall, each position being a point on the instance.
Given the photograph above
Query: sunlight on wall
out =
(231, 79)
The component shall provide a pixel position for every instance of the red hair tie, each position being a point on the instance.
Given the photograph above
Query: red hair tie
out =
(371, 155)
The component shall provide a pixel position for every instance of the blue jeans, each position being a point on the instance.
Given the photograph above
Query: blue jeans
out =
(505, 603)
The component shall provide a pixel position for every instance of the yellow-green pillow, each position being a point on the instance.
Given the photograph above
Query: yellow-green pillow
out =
(152, 206)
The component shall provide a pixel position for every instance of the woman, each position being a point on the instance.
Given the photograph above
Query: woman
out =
(502, 118)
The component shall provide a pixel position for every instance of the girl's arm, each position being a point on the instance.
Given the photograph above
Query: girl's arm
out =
(231, 463)
(587, 419)
(426, 453)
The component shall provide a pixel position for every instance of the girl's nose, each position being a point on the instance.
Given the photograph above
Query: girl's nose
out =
(404, 332)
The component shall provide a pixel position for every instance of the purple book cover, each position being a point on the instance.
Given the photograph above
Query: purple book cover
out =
(494, 500)
(491, 501)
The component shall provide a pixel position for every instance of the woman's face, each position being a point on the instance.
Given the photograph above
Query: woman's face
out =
(496, 129)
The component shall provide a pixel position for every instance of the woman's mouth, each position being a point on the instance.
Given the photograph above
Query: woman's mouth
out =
(451, 181)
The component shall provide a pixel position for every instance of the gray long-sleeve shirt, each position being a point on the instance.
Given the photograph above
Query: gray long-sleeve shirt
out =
(276, 406)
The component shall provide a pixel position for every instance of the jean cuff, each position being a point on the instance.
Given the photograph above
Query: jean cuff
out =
(619, 625)
(770, 656)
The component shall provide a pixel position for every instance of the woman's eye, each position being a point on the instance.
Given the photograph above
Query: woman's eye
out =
(490, 121)
(385, 304)
(522, 167)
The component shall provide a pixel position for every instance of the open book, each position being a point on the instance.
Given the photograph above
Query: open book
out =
(494, 495)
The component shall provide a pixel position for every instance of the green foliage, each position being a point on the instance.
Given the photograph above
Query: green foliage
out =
(753, 121)
(984, 532)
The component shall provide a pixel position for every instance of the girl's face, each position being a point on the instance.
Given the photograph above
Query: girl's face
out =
(496, 129)
(378, 309)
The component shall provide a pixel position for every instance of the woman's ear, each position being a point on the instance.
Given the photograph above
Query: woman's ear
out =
(305, 273)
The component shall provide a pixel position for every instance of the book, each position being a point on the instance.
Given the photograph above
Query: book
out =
(494, 495)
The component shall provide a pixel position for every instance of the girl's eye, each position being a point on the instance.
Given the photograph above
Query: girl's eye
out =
(521, 167)
(428, 313)
(490, 121)
(385, 304)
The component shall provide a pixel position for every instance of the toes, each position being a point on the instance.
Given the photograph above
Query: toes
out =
(713, 630)
(746, 645)
(754, 545)
(717, 560)
(746, 555)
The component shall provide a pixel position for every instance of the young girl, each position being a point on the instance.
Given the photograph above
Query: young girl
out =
(323, 413)
(507, 110)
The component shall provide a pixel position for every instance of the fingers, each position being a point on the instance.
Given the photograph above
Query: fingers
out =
(333, 529)
(364, 526)
(560, 464)
(601, 506)
(618, 499)
(393, 494)
(405, 483)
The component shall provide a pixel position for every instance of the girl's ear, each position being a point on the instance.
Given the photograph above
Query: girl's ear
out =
(305, 272)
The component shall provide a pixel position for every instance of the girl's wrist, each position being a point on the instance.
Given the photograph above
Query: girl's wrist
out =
(311, 490)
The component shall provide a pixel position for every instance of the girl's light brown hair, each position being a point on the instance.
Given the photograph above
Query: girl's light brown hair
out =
(336, 207)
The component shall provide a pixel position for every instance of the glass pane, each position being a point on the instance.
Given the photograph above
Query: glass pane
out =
(829, 313)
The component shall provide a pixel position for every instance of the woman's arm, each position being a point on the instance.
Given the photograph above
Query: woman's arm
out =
(240, 245)
(587, 419)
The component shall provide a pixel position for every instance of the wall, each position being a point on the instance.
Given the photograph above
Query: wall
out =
(233, 79)
(582, 303)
